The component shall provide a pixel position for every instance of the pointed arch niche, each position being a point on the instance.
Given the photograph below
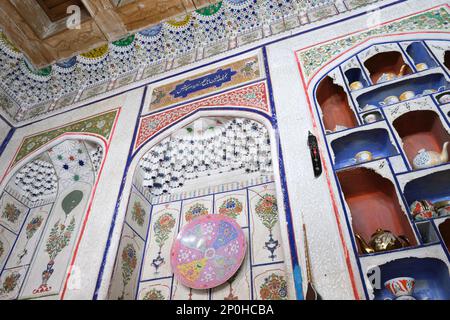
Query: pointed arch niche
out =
(42, 208)
(211, 165)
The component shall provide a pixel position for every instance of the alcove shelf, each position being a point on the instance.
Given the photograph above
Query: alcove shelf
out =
(417, 84)
(444, 230)
(421, 130)
(373, 204)
(384, 63)
(333, 102)
(431, 277)
(376, 141)
(419, 53)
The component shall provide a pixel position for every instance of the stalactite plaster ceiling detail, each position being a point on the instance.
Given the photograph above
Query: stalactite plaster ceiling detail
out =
(168, 45)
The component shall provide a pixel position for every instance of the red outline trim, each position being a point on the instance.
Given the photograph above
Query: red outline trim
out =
(306, 85)
(91, 200)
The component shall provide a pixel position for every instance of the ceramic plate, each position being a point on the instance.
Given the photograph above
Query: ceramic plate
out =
(208, 251)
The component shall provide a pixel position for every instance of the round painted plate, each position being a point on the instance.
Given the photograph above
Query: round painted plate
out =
(208, 251)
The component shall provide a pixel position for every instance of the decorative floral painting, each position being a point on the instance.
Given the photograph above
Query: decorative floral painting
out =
(12, 212)
(234, 205)
(138, 213)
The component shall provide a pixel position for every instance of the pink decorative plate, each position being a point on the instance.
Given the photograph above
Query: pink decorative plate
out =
(208, 251)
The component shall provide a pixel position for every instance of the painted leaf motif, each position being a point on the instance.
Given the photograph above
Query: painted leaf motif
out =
(71, 201)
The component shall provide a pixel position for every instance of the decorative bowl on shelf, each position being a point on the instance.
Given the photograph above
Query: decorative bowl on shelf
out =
(357, 85)
(371, 118)
(421, 66)
(422, 210)
(444, 99)
(402, 288)
(363, 156)
(407, 95)
(443, 208)
(389, 101)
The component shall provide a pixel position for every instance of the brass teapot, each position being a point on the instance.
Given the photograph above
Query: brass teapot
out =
(382, 240)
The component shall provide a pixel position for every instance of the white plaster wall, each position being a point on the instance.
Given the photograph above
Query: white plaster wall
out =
(310, 200)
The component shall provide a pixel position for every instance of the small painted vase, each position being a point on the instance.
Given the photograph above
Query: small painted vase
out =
(423, 210)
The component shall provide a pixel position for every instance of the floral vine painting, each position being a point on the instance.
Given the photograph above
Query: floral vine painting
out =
(138, 213)
(154, 294)
(267, 211)
(195, 211)
(2, 249)
(10, 283)
(231, 207)
(273, 288)
(11, 212)
(129, 263)
(59, 238)
(162, 228)
(30, 230)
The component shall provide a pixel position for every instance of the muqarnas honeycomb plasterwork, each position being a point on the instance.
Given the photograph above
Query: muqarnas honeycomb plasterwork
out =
(165, 46)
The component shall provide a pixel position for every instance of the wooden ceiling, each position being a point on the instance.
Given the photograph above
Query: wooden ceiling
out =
(38, 27)
(57, 9)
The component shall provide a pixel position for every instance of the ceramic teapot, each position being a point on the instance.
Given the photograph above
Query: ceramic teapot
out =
(426, 159)
(382, 240)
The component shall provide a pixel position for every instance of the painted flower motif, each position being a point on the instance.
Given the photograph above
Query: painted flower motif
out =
(232, 248)
(154, 294)
(273, 288)
(33, 226)
(129, 262)
(267, 210)
(195, 211)
(11, 212)
(162, 228)
(59, 238)
(10, 283)
(231, 207)
(138, 213)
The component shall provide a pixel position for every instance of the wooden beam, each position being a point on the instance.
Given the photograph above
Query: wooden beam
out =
(104, 14)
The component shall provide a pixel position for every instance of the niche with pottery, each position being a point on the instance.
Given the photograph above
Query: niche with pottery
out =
(421, 57)
(387, 66)
(355, 79)
(434, 188)
(414, 278)
(348, 149)
(403, 90)
(425, 139)
(374, 205)
(336, 110)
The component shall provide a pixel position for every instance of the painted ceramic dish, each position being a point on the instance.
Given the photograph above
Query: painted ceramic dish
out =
(208, 252)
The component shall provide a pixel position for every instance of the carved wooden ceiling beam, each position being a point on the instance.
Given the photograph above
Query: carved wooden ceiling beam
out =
(45, 41)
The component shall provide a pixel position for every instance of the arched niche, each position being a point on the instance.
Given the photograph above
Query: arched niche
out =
(334, 104)
(419, 130)
(373, 204)
(386, 62)
(212, 164)
(444, 230)
(45, 199)
(447, 59)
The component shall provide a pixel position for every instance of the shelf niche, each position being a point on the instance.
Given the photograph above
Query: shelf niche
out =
(373, 204)
(431, 275)
(376, 141)
(434, 187)
(334, 104)
(419, 54)
(421, 130)
(447, 59)
(355, 74)
(386, 62)
(444, 230)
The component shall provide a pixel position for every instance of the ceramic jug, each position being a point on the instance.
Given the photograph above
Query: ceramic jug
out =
(382, 240)
(426, 159)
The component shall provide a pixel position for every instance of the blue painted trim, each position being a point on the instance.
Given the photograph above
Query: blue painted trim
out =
(7, 140)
